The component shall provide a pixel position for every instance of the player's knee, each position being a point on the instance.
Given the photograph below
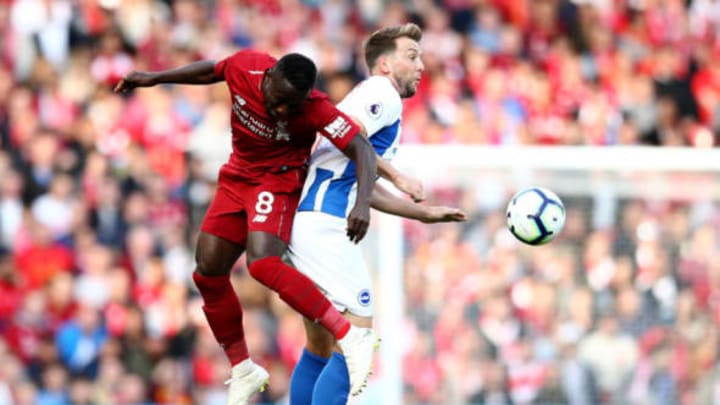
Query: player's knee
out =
(257, 252)
(203, 271)
(263, 245)
(265, 269)
(202, 265)
(206, 265)
(253, 257)
(215, 256)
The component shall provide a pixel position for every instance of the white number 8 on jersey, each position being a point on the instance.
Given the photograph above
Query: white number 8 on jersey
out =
(264, 203)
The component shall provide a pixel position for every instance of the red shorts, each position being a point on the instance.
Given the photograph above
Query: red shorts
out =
(239, 208)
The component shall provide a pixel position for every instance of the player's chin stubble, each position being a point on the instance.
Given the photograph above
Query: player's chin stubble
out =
(409, 90)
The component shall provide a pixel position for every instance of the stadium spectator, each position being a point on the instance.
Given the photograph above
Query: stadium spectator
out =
(101, 198)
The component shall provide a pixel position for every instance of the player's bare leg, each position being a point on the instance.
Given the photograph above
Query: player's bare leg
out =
(320, 342)
(215, 258)
(297, 290)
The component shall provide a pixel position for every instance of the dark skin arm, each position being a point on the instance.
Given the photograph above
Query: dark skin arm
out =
(362, 153)
(202, 72)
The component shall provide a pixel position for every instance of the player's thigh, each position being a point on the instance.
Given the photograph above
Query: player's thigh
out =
(320, 249)
(215, 256)
(263, 244)
(226, 217)
(270, 219)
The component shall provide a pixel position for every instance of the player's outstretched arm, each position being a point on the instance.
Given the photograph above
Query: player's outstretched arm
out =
(387, 202)
(202, 72)
(408, 185)
(362, 153)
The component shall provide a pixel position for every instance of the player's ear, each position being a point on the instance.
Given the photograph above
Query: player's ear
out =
(384, 64)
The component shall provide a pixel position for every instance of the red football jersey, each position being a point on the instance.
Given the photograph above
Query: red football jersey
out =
(266, 150)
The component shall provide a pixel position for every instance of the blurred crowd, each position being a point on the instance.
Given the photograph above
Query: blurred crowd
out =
(101, 196)
(622, 308)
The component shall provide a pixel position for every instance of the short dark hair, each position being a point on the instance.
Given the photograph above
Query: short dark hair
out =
(383, 41)
(299, 70)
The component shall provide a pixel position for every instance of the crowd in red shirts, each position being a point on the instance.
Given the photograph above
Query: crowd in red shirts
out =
(101, 196)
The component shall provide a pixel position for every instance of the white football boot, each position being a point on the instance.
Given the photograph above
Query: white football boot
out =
(358, 347)
(246, 379)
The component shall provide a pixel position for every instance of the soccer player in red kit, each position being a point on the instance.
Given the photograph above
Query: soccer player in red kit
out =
(276, 115)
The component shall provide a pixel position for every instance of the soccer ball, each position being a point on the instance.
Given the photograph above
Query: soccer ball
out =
(535, 216)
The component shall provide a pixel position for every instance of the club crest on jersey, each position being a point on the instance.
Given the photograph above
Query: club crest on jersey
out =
(256, 124)
(364, 297)
(374, 110)
(282, 133)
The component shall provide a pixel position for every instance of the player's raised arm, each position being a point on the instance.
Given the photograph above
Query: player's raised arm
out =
(202, 72)
(385, 201)
(362, 153)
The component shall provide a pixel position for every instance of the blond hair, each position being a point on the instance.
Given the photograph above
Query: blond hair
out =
(383, 41)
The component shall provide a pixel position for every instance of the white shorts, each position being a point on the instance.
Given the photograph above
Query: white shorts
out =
(320, 249)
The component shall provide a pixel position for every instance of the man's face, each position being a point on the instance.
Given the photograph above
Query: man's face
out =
(406, 66)
(282, 100)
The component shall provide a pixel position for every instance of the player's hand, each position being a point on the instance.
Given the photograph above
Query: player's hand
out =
(410, 186)
(358, 222)
(135, 79)
(444, 214)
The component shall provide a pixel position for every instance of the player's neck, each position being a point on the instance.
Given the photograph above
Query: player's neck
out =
(389, 77)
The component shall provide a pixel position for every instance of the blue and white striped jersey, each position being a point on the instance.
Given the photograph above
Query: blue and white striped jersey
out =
(331, 186)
